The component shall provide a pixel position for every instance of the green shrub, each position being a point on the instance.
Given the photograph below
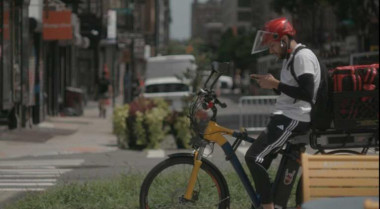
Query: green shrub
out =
(120, 129)
(182, 132)
(144, 123)
(139, 129)
(154, 120)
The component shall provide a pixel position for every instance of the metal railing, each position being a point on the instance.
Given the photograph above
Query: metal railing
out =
(255, 112)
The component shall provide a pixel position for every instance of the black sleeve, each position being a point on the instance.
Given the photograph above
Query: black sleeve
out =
(276, 91)
(304, 92)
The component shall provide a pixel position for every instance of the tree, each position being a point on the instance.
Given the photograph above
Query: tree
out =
(176, 47)
(361, 16)
(236, 48)
(305, 14)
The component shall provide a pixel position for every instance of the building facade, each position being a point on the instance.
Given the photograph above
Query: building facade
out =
(237, 14)
(52, 52)
(206, 20)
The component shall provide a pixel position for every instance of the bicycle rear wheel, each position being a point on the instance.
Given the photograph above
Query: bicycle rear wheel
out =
(166, 184)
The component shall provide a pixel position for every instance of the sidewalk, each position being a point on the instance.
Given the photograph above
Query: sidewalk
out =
(61, 135)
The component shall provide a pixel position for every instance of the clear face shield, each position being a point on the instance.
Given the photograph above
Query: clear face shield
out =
(262, 41)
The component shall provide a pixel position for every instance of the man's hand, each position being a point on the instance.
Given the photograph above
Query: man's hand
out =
(266, 81)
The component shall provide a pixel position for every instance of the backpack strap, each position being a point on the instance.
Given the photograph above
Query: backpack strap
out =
(291, 65)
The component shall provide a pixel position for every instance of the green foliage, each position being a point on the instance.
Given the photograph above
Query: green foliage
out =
(120, 129)
(360, 12)
(176, 47)
(118, 193)
(154, 120)
(236, 48)
(139, 129)
(162, 104)
(354, 16)
(182, 131)
(203, 57)
(141, 124)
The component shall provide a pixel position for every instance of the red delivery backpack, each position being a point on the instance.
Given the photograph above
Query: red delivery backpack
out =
(355, 96)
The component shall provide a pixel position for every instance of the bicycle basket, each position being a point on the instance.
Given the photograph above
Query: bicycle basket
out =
(199, 116)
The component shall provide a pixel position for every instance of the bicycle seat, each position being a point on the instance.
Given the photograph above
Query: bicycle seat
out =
(300, 138)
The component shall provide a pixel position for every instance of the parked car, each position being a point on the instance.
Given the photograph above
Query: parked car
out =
(226, 84)
(172, 89)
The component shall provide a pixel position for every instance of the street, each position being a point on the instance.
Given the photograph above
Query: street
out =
(72, 149)
(80, 149)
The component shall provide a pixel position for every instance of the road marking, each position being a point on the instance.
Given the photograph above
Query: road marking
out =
(35, 171)
(156, 154)
(22, 189)
(46, 125)
(32, 175)
(27, 180)
(29, 176)
(23, 184)
(33, 163)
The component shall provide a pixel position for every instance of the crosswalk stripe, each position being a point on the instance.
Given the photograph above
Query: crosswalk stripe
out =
(22, 189)
(156, 154)
(32, 175)
(23, 184)
(29, 176)
(27, 180)
(32, 163)
(35, 171)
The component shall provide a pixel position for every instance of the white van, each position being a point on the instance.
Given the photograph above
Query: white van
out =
(170, 66)
(172, 89)
(165, 78)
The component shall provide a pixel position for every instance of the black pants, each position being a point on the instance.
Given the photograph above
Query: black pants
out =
(262, 152)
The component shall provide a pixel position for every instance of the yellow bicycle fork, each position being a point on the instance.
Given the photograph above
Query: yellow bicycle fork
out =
(193, 177)
(213, 133)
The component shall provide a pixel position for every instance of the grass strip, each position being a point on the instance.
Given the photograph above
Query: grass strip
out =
(117, 193)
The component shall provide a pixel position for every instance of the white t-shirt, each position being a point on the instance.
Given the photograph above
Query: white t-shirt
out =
(305, 61)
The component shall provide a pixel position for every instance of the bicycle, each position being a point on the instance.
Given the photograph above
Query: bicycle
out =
(186, 180)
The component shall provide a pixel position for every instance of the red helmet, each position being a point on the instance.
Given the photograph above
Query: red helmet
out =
(281, 26)
(274, 30)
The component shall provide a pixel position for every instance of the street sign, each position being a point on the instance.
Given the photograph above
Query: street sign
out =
(112, 25)
(57, 25)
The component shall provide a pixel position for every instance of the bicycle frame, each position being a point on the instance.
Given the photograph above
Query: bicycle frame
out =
(214, 133)
(285, 174)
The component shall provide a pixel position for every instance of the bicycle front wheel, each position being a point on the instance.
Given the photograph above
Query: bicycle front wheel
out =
(166, 184)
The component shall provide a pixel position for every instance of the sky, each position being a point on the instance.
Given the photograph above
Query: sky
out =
(180, 27)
